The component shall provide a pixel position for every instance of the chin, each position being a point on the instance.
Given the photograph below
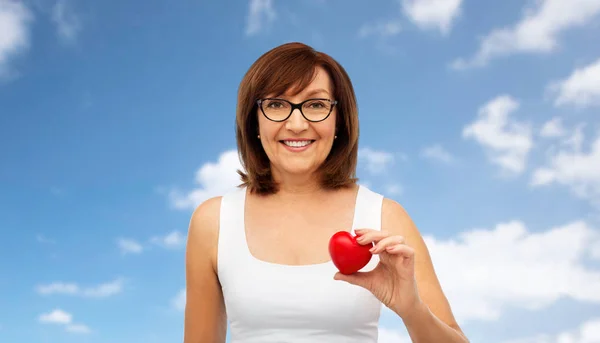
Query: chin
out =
(297, 170)
(292, 168)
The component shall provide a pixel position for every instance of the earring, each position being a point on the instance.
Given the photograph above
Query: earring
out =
(334, 137)
(258, 136)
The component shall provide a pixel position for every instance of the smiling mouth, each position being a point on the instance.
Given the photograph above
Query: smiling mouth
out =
(297, 144)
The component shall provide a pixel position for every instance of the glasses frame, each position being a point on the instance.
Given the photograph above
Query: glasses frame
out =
(296, 106)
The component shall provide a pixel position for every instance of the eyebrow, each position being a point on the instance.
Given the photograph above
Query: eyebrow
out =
(309, 94)
(317, 91)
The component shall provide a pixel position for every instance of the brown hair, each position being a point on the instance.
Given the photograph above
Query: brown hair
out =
(292, 66)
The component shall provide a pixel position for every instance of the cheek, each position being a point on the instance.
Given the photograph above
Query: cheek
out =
(268, 133)
(327, 130)
(265, 129)
(261, 124)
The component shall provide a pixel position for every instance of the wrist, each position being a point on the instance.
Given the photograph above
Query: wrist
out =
(415, 314)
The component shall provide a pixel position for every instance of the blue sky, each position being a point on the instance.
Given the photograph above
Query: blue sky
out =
(480, 117)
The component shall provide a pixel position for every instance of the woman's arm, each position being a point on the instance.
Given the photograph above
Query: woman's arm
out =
(205, 319)
(433, 321)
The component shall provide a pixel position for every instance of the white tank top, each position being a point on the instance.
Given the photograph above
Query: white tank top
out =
(268, 302)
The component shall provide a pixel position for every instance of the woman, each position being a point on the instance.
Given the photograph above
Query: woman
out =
(258, 256)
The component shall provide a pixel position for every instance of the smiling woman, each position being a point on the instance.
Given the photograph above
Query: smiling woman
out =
(258, 257)
(323, 92)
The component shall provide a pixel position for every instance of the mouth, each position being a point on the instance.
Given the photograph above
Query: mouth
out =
(295, 143)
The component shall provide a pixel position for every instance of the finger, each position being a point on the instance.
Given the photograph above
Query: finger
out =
(361, 279)
(372, 236)
(401, 250)
(360, 232)
(386, 242)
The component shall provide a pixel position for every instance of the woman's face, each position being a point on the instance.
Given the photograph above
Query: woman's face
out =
(296, 145)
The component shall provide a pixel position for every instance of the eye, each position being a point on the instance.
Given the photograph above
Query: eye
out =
(275, 104)
(317, 104)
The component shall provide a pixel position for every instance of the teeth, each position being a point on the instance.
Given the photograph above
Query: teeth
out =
(297, 144)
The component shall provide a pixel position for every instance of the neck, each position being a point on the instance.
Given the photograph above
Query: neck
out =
(298, 186)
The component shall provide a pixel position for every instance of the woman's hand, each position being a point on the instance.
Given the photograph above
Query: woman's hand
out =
(392, 281)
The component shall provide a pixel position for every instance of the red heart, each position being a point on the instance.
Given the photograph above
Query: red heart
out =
(347, 254)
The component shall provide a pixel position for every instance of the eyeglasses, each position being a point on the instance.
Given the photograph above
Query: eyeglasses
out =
(313, 110)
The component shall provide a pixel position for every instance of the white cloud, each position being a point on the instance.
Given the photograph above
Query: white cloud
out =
(575, 140)
(438, 153)
(68, 24)
(382, 29)
(15, 19)
(375, 161)
(174, 239)
(129, 246)
(58, 288)
(581, 88)
(573, 167)
(507, 142)
(261, 12)
(394, 189)
(178, 302)
(491, 260)
(587, 332)
(432, 14)
(104, 290)
(553, 128)
(171, 240)
(78, 328)
(69, 288)
(537, 31)
(213, 179)
(57, 316)
(61, 317)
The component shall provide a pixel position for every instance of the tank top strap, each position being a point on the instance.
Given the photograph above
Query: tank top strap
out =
(231, 247)
(367, 214)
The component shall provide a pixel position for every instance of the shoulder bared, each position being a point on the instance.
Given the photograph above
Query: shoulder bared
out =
(208, 210)
(393, 214)
(396, 220)
(204, 222)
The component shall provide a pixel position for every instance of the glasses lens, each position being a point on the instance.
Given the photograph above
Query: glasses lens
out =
(316, 109)
(276, 109)
(313, 110)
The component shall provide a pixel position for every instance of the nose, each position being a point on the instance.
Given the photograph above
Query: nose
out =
(296, 122)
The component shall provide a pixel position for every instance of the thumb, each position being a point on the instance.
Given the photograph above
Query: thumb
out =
(358, 279)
